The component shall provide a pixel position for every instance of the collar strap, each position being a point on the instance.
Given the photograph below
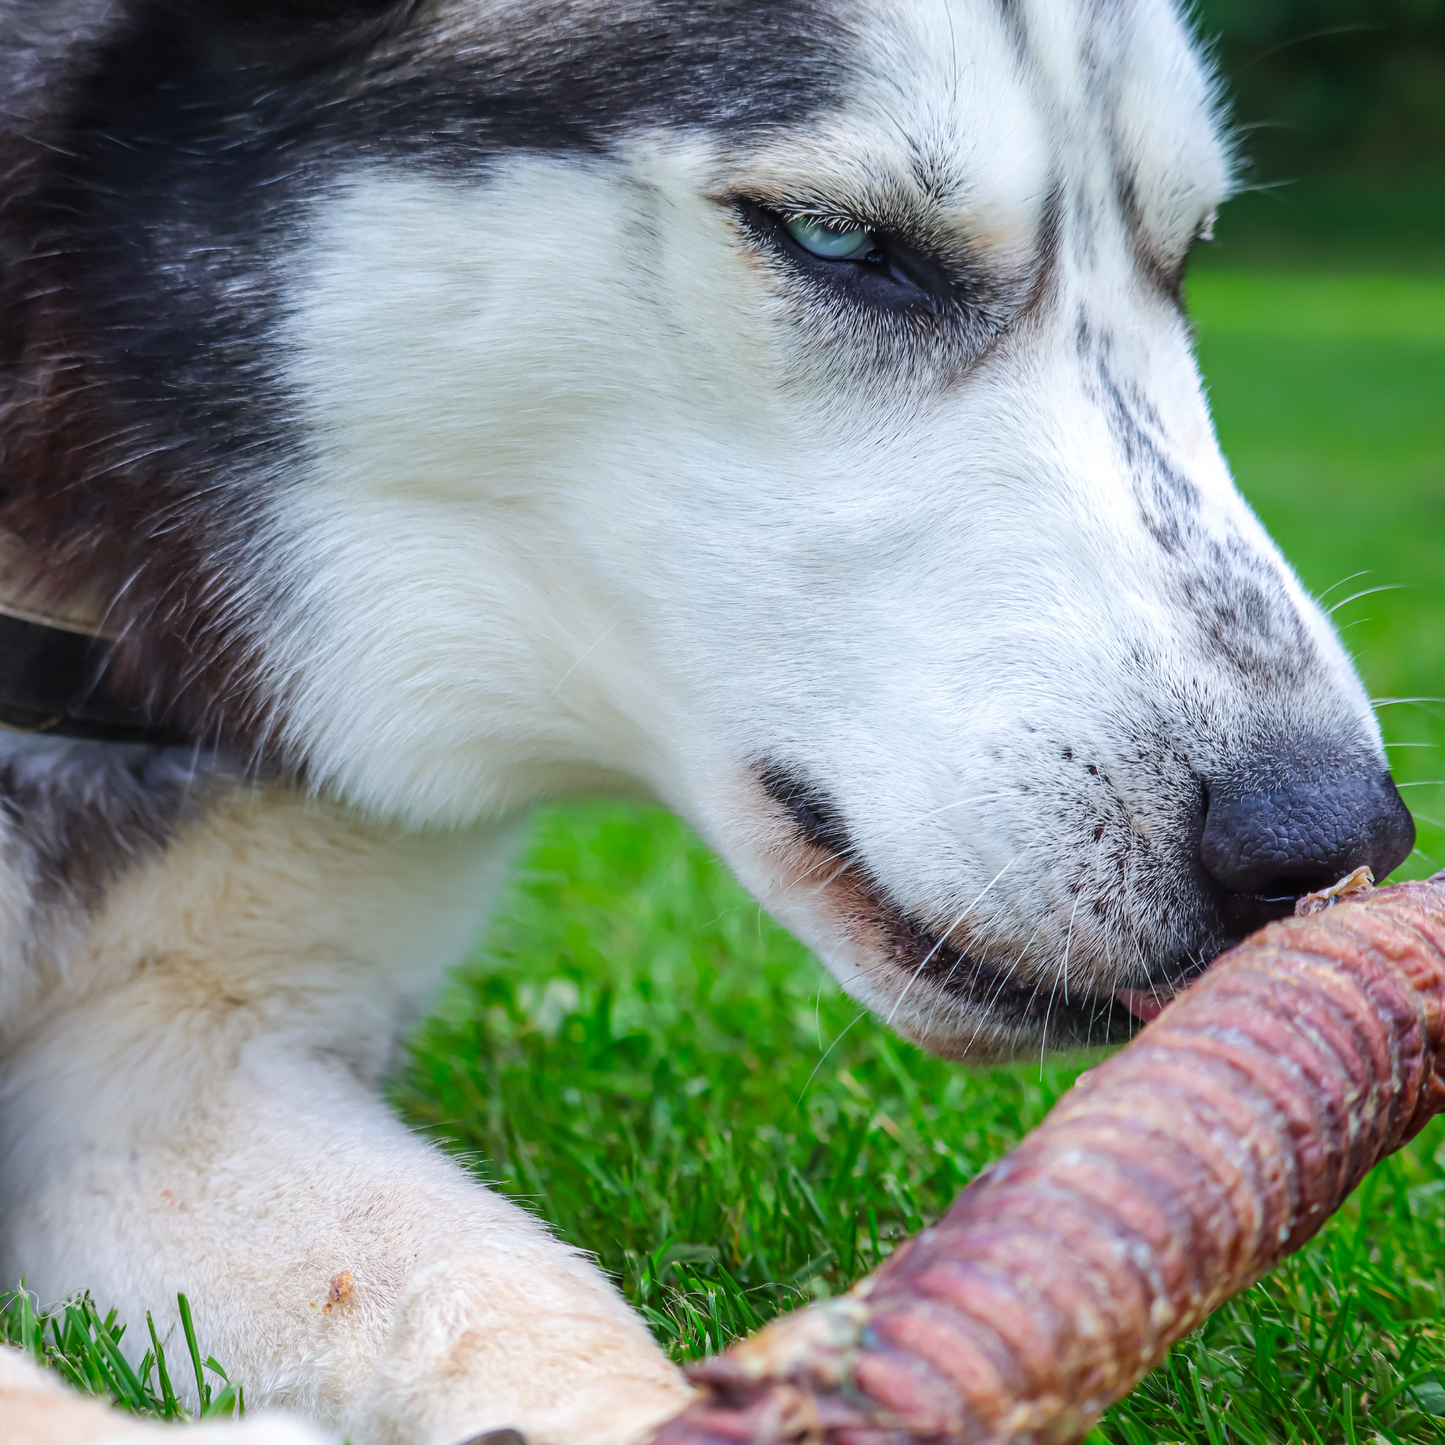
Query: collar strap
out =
(54, 665)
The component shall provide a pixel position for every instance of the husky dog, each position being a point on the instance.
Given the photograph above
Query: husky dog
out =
(416, 409)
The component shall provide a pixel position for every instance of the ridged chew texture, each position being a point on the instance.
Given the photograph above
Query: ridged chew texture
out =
(1167, 1180)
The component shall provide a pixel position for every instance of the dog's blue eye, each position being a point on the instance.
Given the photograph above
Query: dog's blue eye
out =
(828, 244)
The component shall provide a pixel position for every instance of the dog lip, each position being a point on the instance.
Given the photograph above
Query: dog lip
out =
(1080, 1019)
(812, 812)
(1243, 913)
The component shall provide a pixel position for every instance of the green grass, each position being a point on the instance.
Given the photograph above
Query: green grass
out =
(648, 1062)
(84, 1347)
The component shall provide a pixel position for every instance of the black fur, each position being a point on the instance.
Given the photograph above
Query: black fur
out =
(1244, 617)
(77, 812)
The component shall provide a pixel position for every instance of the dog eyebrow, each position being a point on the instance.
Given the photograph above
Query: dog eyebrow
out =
(564, 77)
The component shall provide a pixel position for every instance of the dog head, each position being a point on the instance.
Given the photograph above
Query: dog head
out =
(788, 408)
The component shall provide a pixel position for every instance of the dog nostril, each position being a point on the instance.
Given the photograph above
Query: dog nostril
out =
(1269, 845)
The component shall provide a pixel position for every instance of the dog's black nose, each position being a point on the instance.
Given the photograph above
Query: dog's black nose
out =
(1293, 832)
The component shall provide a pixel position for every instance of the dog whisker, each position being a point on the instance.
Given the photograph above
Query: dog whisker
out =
(1366, 592)
(1062, 973)
(944, 936)
(824, 1058)
(1343, 582)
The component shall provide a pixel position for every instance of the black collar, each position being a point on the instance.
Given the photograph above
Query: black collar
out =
(54, 669)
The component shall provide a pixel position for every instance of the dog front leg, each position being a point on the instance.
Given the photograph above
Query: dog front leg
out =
(207, 1121)
(341, 1267)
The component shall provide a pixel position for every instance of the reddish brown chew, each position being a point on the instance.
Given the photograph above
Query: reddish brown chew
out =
(1169, 1179)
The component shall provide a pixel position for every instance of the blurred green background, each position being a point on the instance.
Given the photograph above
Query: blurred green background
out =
(1340, 111)
(1328, 389)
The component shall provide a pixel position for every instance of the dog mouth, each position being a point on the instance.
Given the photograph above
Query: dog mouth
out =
(1005, 1011)
(1045, 1010)
(1086, 1020)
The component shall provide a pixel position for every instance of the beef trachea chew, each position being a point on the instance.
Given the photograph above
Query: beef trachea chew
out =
(1167, 1180)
